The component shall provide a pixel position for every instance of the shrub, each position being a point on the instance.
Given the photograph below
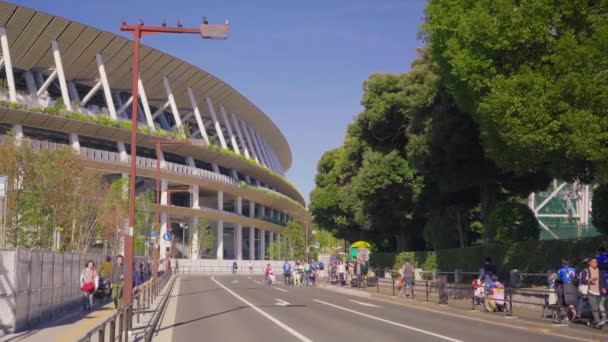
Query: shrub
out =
(512, 221)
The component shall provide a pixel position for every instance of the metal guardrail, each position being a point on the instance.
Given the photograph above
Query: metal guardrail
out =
(117, 326)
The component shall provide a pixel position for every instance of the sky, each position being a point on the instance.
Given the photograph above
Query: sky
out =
(302, 62)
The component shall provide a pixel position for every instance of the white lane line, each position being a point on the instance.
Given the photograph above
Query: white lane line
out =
(280, 289)
(281, 302)
(263, 313)
(365, 304)
(257, 281)
(390, 322)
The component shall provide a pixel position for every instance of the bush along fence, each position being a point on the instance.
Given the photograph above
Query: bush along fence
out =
(38, 285)
(527, 257)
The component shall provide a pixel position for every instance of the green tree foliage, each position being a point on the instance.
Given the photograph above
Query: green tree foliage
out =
(600, 203)
(533, 73)
(512, 221)
(206, 237)
(293, 243)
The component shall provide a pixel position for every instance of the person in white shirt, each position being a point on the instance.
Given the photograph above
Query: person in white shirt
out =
(341, 272)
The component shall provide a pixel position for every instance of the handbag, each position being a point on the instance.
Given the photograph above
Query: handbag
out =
(88, 286)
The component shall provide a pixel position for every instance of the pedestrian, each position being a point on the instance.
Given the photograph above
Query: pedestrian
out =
(341, 272)
(250, 268)
(306, 273)
(89, 281)
(287, 272)
(595, 279)
(235, 267)
(488, 269)
(164, 265)
(118, 271)
(105, 271)
(566, 289)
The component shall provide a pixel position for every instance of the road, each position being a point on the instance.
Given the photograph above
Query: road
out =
(240, 308)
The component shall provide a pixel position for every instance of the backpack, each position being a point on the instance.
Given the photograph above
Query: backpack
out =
(321, 266)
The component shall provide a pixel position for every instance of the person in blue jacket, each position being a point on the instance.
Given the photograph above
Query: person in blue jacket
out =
(566, 290)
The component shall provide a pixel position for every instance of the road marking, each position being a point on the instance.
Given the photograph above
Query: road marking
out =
(257, 281)
(263, 313)
(391, 322)
(235, 281)
(365, 304)
(281, 302)
(280, 289)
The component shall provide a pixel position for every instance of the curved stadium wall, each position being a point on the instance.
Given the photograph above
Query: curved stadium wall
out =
(65, 84)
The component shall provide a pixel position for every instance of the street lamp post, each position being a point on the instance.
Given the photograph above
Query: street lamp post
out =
(207, 32)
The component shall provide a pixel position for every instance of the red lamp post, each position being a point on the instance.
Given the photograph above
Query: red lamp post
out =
(207, 32)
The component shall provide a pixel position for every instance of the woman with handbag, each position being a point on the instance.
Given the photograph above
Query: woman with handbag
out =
(89, 281)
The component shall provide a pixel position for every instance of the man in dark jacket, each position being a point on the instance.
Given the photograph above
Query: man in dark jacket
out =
(118, 272)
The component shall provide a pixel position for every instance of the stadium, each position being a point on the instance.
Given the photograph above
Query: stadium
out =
(234, 175)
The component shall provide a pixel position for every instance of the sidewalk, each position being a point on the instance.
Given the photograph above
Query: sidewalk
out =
(524, 318)
(74, 325)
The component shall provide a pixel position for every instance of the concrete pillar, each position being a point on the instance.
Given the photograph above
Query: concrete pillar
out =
(18, 134)
(251, 232)
(8, 65)
(279, 245)
(216, 124)
(194, 250)
(74, 142)
(62, 81)
(262, 244)
(164, 185)
(271, 239)
(220, 227)
(107, 92)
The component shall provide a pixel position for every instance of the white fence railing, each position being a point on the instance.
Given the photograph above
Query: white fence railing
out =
(37, 285)
(212, 266)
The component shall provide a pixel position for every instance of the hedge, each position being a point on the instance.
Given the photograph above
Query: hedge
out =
(528, 257)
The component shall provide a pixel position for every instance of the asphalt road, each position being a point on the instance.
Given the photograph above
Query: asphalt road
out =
(239, 308)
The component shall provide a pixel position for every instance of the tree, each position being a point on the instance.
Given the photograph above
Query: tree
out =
(532, 73)
(512, 221)
(600, 203)
(294, 243)
(206, 237)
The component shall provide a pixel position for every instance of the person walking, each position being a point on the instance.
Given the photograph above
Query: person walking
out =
(105, 271)
(306, 273)
(287, 272)
(250, 268)
(118, 275)
(341, 272)
(235, 267)
(89, 281)
(595, 279)
(408, 278)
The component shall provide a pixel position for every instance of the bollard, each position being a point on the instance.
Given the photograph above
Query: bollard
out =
(515, 279)
(113, 329)
(458, 276)
(427, 290)
(102, 333)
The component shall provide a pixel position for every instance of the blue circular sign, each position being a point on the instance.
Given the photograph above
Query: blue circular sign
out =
(167, 236)
(153, 234)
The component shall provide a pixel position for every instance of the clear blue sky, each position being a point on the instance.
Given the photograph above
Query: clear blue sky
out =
(301, 62)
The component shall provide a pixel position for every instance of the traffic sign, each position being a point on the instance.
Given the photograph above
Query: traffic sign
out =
(167, 236)
(153, 234)
(317, 244)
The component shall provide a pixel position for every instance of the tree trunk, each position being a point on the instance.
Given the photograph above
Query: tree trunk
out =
(402, 241)
(489, 197)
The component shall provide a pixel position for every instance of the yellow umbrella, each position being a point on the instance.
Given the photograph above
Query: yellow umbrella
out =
(361, 244)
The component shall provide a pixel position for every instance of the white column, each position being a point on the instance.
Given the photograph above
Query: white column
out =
(122, 151)
(258, 144)
(273, 157)
(216, 123)
(235, 146)
(18, 134)
(194, 250)
(107, 92)
(251, 232)
(197, 115)
(74, 142)
(90, 94)
(271, 239)
(144, 103)
(123, 106)
(240, 136)
(257, 147)
(8, 64)
(178, 120)
(164, 185)
(31, 85)
(250, 142)
(73, 92)
(266, 153)
(220, 227)
(62, 82)
(239, 230)
(262, 244)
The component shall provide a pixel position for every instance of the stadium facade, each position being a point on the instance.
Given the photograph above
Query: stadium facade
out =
(67, 84)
